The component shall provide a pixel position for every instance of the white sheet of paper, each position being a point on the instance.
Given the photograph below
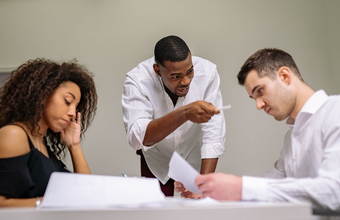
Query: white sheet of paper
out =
(71, 190)
(181, 171)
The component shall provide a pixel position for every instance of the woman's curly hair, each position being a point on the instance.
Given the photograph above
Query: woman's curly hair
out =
(25, 96)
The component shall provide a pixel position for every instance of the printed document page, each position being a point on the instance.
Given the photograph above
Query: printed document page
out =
(70, 190)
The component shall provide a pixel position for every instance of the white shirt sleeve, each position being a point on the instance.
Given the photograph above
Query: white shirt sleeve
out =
(137, 114)
(254, 188)
(214, 130)
(322, 191)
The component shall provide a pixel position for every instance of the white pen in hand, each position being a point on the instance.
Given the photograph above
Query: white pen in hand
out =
(225, 107)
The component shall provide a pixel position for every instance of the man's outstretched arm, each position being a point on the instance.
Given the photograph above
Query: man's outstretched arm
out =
(197, 112)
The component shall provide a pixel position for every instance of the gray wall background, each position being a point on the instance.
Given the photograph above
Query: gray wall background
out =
(112, 37)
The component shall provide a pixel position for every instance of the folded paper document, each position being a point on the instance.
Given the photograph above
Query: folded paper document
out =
(71, 190)
(181, 171)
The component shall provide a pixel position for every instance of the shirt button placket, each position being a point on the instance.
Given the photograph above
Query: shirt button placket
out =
(176, 141)
(294, 154)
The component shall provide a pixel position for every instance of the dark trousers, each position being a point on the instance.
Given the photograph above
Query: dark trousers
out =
(168, 188)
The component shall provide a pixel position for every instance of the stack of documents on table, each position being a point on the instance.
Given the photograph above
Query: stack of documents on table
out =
(71, 190)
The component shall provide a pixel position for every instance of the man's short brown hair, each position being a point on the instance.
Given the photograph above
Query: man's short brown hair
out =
(266, 62)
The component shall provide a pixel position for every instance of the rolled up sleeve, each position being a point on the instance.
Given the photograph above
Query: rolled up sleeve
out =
(214, 131)
(136, 134)
(137, 114)
(212, 150)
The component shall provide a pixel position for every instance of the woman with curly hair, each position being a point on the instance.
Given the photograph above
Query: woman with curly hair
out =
(45, 108)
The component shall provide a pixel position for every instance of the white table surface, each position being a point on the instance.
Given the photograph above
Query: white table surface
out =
(176, 209)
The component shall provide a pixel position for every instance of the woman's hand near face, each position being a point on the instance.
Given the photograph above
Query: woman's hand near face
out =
(71, 134)
(71, 137)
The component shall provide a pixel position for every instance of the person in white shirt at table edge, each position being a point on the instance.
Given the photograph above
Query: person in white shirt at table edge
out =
(170, 104)
(308, 168)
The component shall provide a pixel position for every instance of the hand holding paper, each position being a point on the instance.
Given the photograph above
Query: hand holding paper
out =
(181, 171)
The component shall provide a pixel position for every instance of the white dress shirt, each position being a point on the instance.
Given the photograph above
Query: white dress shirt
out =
(308, 169)
(145, 99)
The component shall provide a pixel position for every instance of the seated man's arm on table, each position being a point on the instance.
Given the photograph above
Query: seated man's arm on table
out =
(320, 191)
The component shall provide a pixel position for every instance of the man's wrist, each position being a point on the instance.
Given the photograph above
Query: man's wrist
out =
(74, 147)
(208, 165)
(254, 188)
(183, 112)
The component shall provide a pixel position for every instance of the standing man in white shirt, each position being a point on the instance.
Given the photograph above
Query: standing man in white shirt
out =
(170, 104)
(309, 165)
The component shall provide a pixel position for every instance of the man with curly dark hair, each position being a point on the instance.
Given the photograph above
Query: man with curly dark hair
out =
(45, 107)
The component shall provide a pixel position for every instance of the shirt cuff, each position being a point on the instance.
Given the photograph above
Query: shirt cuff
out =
(254, 188)
(136, 137)
(212, 150)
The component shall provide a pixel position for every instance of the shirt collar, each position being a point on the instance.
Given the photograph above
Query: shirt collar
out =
(310, 107)
(314, 102)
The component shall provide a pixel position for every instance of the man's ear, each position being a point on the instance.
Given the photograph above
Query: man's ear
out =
(285, 75)
(156, 69)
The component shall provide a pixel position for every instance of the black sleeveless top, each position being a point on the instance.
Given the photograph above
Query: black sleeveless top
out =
(26, 176)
